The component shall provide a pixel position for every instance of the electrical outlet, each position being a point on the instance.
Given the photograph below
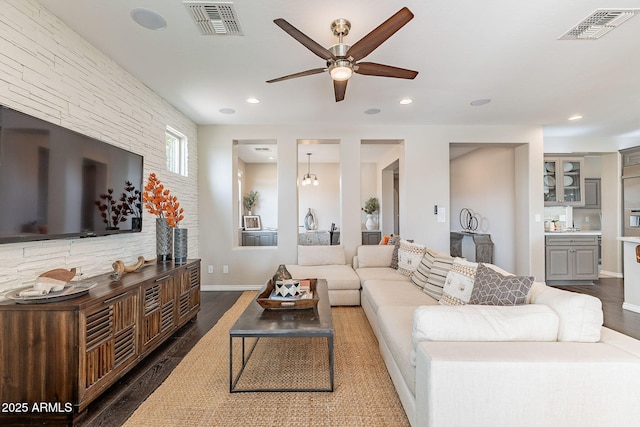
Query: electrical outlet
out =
(225, 269)
(210, 269)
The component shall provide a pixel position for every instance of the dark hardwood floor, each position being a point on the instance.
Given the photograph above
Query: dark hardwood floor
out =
(117, 404)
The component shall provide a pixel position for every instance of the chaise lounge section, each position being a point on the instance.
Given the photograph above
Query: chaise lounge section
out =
(548, 361)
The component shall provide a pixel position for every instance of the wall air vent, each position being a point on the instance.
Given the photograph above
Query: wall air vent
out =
(214, 18)
(599, 23)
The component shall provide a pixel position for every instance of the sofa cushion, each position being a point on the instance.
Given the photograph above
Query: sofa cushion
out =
(394, 293)
(437, 274)
(409, 256)
(580, 315)
(493, 288)
(483, 323)
(337, 276)
(380, 273)
(395, 329)
(374, 256)
(459, 282)
(321, 255)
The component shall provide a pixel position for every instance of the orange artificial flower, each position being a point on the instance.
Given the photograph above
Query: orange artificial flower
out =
(159, 201)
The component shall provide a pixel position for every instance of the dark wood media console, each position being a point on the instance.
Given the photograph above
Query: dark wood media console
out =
(56, 358)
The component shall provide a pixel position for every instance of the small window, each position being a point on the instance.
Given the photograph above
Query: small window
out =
(176, 151)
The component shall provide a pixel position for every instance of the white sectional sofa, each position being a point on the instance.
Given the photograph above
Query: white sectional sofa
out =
(548, 362)
(330, 263)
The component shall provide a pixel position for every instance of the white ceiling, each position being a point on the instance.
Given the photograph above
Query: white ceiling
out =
(505, 50)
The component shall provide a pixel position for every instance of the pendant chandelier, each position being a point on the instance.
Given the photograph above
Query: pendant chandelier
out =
(309, 177)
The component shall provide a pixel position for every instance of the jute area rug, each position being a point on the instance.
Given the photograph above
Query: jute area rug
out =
(197, 391)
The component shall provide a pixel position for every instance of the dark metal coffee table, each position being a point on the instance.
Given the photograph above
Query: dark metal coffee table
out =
(256, 322)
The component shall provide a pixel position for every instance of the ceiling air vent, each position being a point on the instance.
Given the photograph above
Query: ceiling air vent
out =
(214, 18)
(598, 24)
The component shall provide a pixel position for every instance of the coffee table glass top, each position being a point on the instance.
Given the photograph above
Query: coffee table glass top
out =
(259, 321)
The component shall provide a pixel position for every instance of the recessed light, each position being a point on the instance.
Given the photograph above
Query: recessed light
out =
(479, 102)
(372, 111)
(406, 101)
(253, 100)
(575, 117)
(227, 110)
(148, 19)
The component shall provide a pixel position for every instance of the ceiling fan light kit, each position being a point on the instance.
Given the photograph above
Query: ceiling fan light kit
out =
(341, 59)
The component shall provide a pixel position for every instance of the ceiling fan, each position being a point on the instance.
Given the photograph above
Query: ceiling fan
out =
(342, 58)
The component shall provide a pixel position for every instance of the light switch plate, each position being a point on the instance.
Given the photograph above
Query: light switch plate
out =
(442, 216)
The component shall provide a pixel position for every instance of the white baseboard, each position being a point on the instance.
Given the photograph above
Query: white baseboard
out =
(604, 273)
(239, 288)
(631, 307)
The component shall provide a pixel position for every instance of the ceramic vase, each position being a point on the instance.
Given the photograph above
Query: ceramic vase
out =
(281, 274)
(180, 243)
(164, 240)
(371, 222)
(310, 222)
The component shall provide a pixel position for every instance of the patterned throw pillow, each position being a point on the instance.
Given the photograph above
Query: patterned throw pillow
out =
(409, 257)
(493, 288)
(395, 241)
(421, 275)
(437, 274)
(459, 283)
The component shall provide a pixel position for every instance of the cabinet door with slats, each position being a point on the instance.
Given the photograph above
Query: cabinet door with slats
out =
(109, 340)
(189, 293)
(158, 310)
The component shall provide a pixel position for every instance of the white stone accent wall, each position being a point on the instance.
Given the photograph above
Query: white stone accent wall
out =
(50, 72)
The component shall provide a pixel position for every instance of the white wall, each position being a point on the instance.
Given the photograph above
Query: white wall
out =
(263, 178)
(369, 187)
(48, 71)
(323, 199)
(424, 181)
(478, 184)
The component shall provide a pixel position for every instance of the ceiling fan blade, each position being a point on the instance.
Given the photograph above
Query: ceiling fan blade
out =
(375, 38)
(373, 69)
(340, 87)
(300, 74)
(304, 39)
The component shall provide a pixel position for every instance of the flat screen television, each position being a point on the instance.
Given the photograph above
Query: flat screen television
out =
(56, 183)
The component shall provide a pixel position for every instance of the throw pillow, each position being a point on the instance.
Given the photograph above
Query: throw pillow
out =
(421, 275)
(459, 283)
(384, 241)
(409, 257)
(395, 241)
(493, 288)
(437, 274)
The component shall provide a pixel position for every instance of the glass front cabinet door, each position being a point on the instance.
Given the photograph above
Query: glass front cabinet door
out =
(563, 181)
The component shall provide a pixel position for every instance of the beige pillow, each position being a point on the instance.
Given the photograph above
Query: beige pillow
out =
(409, 257)
(459, 283)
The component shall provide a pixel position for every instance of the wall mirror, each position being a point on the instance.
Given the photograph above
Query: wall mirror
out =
(318, 192)
(256, 192)
(379, 179)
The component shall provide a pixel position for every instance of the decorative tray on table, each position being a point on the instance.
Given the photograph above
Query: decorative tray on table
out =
(307, 297)
(72, 290)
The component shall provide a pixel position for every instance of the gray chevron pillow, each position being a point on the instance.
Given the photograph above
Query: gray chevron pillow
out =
(493, 288)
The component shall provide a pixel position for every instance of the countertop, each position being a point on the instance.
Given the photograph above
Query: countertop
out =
(630, 239)
(572, 233)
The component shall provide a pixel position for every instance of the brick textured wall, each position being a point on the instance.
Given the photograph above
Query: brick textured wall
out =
(50, 72)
